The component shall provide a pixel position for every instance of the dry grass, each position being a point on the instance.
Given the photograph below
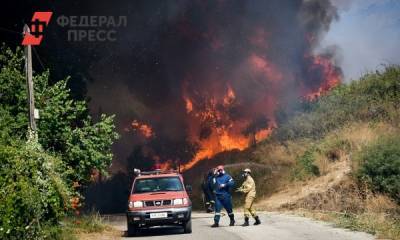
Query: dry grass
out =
(347, 195)
(280, 157)
(280, 153)
(90, 226)
(313, 193)
(381, 204)
(359, 135)
(355, 208)
(105, 235)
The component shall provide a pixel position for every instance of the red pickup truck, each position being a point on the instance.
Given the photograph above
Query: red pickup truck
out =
(159, 198)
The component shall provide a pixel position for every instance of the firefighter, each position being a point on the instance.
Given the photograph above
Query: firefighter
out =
(208, 192)
(249, 189)
(222, 184)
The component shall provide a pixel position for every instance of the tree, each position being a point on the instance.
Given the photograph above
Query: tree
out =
(65, 126)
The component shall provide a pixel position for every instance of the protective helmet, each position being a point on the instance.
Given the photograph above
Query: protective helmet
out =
(247, 170)
(220, 169)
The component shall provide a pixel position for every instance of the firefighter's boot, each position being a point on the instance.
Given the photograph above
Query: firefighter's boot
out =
(215, 225)
(246, 222)
(232, 222)
(257, 222)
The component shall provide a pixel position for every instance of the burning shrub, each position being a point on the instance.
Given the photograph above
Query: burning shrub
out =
(381, 166)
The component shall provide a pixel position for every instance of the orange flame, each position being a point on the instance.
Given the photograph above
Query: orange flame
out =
(224, 133)
(144, 129)
(229, 97)
(262, 65)
(189, 105)
(223, 141)
(332, 76)
(263, 134)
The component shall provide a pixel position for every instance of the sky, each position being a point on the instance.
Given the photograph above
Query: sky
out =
(367, 35)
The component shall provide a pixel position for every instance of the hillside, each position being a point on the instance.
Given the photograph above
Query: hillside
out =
(337, 157)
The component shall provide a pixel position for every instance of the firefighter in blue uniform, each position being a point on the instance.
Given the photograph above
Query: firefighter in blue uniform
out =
(222, 185)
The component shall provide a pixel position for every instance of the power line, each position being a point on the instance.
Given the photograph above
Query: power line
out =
(38, 58)
(2, 29)
(9, 30)
(34, 49)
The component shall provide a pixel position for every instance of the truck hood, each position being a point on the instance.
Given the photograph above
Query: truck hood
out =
(157, 196)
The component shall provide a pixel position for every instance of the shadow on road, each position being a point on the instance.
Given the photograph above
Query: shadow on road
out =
(157, 231)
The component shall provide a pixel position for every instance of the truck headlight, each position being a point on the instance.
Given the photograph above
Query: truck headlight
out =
(178, 201)
(135, 204)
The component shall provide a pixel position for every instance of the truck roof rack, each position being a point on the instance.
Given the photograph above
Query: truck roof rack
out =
(157, 172)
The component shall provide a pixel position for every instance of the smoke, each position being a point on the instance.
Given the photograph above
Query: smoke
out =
(208, 76)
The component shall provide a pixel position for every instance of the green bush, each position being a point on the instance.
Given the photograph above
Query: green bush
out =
(305, 166)
(33, 194)
(380, 166)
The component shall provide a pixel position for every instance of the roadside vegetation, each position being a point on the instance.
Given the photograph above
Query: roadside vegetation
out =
(379, 166)
(88, 226)
(40, 182)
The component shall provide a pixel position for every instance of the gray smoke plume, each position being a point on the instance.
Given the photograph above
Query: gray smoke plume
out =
(263, 50)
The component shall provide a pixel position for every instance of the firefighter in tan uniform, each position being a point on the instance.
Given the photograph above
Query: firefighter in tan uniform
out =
(249, 188)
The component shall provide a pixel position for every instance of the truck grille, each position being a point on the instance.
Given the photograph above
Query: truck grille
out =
(167, 202)
(158, 203)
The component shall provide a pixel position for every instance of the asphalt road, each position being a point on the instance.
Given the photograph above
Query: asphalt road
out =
(274, 226)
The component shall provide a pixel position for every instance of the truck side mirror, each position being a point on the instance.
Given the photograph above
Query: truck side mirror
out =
(189, 189)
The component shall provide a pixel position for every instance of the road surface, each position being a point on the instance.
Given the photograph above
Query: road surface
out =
(274, 226)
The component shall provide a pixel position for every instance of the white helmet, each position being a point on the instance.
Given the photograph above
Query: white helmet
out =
(247, 170)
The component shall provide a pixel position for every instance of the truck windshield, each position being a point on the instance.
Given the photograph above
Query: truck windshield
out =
(160, 184)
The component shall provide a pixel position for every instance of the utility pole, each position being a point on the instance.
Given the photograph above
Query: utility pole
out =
(32, 134)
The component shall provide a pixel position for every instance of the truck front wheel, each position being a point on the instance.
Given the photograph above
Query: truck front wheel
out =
(132, 230)
(187, 227)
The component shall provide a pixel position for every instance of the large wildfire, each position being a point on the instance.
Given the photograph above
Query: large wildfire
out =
(214, 125)
(227, 68)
